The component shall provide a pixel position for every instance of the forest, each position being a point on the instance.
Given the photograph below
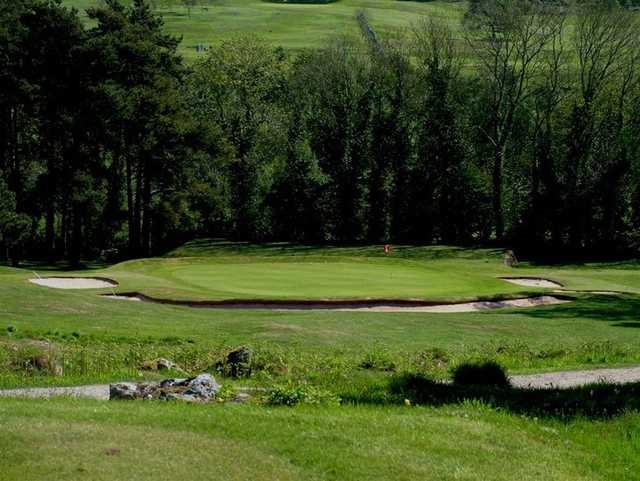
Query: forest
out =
(522, 130)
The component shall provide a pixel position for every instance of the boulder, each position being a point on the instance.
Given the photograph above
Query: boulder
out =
(202, 388)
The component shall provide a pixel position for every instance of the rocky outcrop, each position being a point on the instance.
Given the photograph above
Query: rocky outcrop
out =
(202, 388)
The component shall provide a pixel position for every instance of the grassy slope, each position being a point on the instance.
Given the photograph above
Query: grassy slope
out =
(591, 318)
(290, 26)
(69, 440)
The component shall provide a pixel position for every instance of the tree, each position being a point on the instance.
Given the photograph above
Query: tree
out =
(238, 87)
(508, 38)
(144, 73)
(439, 176)
(606, 45)
(336, 85)
(189, 4)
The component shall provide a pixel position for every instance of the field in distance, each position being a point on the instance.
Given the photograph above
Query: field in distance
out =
(292, 26)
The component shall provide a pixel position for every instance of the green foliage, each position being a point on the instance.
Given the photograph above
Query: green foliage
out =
(380, 138)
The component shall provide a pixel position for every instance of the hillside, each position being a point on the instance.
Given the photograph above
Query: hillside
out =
(292, 26)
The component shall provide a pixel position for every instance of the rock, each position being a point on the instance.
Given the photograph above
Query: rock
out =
(124, 390)
(174, 382)
(161, 364)
(202, 388)
(239, 362)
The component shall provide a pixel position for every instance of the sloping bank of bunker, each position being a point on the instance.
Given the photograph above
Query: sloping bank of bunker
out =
(366, 305)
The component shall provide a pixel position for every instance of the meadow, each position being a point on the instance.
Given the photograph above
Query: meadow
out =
(291, 26)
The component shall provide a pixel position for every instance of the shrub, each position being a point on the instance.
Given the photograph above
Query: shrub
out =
(487, 373)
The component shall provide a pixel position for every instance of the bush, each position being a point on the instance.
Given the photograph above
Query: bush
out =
(488, 373)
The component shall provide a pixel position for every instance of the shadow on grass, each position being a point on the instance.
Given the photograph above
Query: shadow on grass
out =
(62, 266)
(213, 247)
(622, 311)
(592, 401)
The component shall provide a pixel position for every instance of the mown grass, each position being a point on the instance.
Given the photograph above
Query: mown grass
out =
(67, 439)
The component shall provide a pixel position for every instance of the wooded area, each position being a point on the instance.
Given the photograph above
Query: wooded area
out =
(524, 131)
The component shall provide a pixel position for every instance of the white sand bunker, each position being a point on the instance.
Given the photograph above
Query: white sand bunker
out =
(467, 306)
(74, 282)
(531, 282)
(123, 298)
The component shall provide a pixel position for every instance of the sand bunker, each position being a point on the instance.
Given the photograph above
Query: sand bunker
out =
(74, 282)
(123, 298)
(531, 282)
(351, 305)
(468, 306)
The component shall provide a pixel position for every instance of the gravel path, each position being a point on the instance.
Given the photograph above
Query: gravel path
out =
(566, 379)
(560, 379)
(94, 391)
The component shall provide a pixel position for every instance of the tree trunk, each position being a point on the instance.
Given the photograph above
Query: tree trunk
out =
(76, 236)
(497, 193)
(146, 214)
(131, 209)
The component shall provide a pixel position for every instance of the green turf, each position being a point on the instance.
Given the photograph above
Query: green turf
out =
(209, 270)
(69, 440)
(293, 26)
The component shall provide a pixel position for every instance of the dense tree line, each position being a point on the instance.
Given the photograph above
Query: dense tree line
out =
(514, 128)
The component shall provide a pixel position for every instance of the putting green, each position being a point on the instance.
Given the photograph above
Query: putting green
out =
(329, 280)
(317, 274)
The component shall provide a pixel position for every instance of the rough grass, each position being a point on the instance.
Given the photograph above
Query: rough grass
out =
(65, 439)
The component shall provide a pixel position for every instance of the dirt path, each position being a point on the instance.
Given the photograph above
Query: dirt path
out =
(560, 379)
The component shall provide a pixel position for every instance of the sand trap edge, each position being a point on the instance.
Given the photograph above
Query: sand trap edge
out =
(70, 282)
(532, 281)
(357, 305)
